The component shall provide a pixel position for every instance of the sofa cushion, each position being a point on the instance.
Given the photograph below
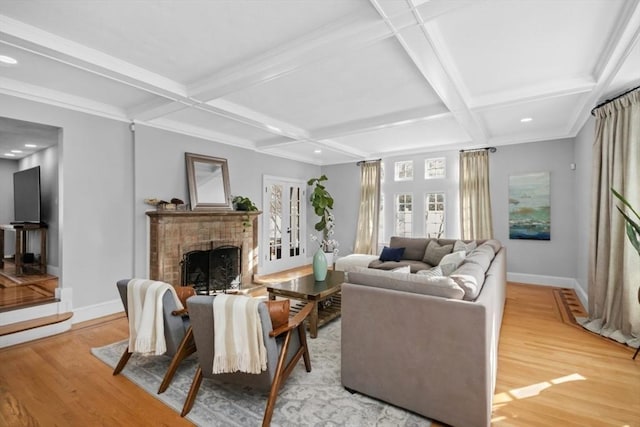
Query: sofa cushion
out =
(482, 255)
(390, 265)
(414, 247)
(432, 272)
(495, 244)
(470, 277)
(434, 252)
(441, 286)
(460, 245)
(450, 262)
(391, 254)
(403, 269)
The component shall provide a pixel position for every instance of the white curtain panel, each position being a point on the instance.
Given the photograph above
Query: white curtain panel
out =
(614, 264)
(475, 198)
(368, 215)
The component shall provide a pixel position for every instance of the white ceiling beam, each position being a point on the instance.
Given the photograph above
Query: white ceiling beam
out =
(59, 99)
(421, 49)
(198, 132)
(35, 40)
(372, 124)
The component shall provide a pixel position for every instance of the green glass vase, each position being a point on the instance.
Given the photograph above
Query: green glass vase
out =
(319, 266)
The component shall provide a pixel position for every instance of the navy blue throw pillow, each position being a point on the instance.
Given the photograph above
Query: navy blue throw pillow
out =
(391, 254)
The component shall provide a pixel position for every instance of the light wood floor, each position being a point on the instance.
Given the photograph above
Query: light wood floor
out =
(550, 374)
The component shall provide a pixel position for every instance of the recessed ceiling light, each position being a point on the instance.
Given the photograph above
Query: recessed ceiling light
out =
(9, 154)
(274, 128)
(317, 151)
(526, 119)
(16, 151)
(8, 60)
(30, 145)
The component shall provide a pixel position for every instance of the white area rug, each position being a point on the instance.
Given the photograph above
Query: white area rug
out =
(316, 398)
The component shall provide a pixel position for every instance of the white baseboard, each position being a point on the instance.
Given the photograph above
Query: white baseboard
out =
(536, 279)
(540, 280)
(91, 312)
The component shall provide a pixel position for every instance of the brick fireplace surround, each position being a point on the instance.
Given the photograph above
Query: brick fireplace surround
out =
(174, 233)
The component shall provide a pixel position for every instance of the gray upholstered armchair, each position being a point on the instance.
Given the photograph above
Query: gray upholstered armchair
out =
(177, 335)
(285, 346)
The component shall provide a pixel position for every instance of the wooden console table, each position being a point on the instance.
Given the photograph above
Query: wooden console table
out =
(21, 232)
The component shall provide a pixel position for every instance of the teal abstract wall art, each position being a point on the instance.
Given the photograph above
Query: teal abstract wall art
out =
(530, 206)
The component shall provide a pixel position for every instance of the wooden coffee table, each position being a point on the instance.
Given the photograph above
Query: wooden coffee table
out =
(308, 290)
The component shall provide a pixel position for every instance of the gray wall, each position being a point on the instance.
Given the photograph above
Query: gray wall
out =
(7, 169)
(95, 208)
(583, 155)
(557, 257)
(344, 187)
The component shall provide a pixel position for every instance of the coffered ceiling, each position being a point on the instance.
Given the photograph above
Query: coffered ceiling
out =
(352, 79)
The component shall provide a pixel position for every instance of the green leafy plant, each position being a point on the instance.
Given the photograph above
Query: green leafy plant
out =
(632, 226)
(321, 201)
(244, 204)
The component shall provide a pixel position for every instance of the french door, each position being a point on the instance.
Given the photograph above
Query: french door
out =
(283, 224)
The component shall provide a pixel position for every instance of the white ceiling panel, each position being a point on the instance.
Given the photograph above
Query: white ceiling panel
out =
(548, 116)
(306, 151)
(417, 136)
(376, 80)
(502, 45)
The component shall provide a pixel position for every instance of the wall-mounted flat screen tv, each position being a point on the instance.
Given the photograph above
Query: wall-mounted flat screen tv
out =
(26, 196)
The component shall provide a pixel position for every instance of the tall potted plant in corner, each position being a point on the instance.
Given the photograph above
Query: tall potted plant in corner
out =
(633, 233)
(322, 204)
(632, 227)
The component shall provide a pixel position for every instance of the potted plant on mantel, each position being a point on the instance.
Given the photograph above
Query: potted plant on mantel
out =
(244, 204)
(322, 203)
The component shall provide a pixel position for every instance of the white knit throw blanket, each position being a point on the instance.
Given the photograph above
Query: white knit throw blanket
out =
(146, 322)
(238, 341)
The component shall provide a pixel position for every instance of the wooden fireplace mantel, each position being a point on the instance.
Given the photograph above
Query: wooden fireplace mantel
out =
(173, 233)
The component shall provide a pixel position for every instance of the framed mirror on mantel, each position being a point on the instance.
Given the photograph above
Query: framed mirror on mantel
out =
(208, 180)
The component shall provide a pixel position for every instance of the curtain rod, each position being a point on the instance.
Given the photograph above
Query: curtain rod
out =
(490, 149)
(613, 99)
(367, 161)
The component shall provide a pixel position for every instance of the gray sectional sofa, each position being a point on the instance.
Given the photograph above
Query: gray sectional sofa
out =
(427, 343)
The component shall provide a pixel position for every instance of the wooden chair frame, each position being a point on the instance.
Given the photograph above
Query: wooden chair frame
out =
(296, 323)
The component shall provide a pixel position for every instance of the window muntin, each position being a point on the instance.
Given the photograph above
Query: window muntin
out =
(434, 168)
(403, 215)
(403, 171)
(434, 214)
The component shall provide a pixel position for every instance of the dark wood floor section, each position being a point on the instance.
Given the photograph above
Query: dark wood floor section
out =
(550, 374)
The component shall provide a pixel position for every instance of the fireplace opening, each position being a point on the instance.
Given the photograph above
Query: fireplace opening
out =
(213, 270)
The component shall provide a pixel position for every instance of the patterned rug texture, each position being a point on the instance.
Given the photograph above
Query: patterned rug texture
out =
(316, 398)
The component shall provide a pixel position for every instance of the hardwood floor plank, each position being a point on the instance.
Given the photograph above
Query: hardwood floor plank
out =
(550, 373)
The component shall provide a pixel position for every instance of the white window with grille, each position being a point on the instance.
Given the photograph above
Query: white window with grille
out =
(404, 171)
(434, 214)
(403, 215)
(434, 168)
